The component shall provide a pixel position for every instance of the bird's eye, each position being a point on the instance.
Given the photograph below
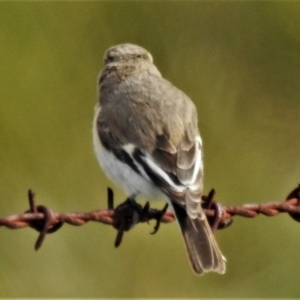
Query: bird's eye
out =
(109, 59)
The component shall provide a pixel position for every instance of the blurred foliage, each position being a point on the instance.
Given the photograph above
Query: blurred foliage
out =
(239, 62)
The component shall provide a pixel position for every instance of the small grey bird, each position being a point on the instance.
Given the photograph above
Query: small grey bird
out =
(147, 141)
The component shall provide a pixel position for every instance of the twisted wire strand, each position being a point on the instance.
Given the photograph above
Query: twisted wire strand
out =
(127, 214)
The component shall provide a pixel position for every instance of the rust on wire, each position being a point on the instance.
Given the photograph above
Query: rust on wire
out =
(129, 213)
(46, 225)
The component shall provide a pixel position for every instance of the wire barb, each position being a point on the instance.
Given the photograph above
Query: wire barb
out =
(126, 215)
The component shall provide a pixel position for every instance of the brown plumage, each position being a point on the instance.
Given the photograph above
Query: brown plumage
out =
(150, 126)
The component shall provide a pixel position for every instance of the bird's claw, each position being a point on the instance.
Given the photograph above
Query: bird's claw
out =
(158, 217)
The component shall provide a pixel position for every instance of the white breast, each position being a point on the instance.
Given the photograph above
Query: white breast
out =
(121, 173)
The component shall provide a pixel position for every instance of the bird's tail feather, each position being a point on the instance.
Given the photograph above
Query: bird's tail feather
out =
(202, 248)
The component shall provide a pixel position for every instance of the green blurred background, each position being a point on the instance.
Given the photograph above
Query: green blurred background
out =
(238, 61)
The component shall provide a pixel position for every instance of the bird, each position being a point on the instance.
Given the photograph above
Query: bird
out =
(147, 141)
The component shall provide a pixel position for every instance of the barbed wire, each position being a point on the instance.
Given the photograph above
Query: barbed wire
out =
(129, 213)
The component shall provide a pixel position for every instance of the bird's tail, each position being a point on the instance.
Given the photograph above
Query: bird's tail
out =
(202, 248)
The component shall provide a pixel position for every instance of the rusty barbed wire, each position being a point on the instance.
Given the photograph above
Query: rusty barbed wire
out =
(129, 213)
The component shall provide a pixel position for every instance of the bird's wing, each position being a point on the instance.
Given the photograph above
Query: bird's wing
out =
(179, 173)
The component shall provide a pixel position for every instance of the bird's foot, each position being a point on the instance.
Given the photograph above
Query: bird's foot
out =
(129, 213)
(158, 217)
(126, 215)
